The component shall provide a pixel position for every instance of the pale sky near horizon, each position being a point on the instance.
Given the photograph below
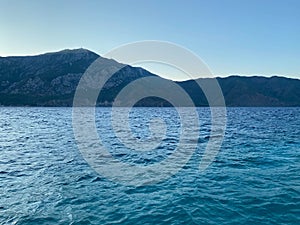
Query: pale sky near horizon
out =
(246, 37)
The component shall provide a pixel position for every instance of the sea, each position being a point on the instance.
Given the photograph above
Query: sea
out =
(253, 179)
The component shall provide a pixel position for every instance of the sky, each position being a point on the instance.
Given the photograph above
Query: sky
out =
(244, 37)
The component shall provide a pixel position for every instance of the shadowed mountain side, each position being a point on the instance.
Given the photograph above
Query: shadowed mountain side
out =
(260, 91)
(51, 80)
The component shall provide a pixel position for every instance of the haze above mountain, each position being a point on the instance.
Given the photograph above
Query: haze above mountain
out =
(51, 79)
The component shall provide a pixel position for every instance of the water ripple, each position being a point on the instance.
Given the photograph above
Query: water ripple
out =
(254, 179)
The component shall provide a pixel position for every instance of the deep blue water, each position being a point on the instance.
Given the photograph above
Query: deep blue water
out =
(255, 178)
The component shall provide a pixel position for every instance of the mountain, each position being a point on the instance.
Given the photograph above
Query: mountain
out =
(260, 91)
(51, 79)
(251, 91)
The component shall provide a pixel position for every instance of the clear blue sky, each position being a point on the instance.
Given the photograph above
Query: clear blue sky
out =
(232, 36)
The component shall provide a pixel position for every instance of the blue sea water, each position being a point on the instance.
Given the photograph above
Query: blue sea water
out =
(255, 178)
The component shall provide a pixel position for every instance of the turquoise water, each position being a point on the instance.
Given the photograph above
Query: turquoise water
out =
(254, 179)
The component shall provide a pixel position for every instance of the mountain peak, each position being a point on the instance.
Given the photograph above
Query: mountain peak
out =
(74, 51)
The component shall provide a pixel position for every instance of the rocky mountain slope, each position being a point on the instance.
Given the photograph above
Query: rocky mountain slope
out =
(51, 80)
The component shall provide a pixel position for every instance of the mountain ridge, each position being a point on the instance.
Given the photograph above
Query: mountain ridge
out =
(50, 79)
